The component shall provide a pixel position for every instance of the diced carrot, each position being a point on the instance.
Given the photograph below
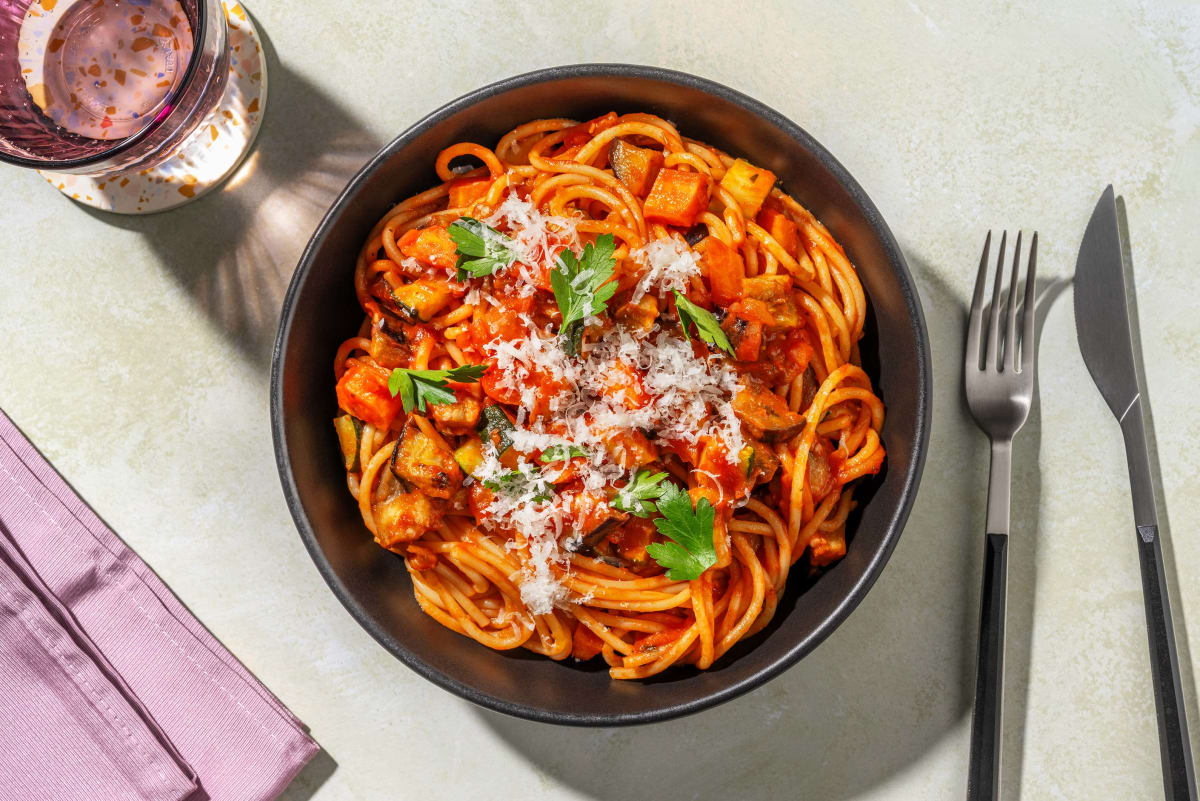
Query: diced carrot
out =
(636, 167)
(431, 246)
(363, 392)
(465, 191)
(826, 548)
(752, 309)
(785, 232)
(579, 134)
(724, 269)
(748, 184)
(677, 198)
(585, 645)
(623, 383)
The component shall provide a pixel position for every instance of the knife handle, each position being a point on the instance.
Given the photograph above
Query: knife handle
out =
(983, 778)
(1179, 775)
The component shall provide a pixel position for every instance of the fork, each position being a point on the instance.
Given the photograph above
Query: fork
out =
(999, 376)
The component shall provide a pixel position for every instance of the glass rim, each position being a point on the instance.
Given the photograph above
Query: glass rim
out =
(133, 139)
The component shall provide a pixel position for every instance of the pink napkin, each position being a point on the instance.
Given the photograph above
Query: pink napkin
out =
(109, 688)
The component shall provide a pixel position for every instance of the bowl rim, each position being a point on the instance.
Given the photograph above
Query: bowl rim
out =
(911, 478)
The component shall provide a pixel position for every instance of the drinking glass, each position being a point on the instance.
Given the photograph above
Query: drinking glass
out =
(91, 55)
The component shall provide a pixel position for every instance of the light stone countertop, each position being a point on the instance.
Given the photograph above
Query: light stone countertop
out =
(135, 353)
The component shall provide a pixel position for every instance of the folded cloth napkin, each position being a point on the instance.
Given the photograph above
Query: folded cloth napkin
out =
(109, 688)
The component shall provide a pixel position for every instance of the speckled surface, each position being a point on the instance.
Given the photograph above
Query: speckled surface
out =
(134, 352)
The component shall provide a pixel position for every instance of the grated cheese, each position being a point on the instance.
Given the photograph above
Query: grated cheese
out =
(671, 265)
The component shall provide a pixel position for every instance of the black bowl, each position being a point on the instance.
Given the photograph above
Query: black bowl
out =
(320, 312)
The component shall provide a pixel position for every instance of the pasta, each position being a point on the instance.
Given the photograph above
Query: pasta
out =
(606, 394)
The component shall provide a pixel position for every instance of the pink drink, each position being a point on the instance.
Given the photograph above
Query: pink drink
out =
(104, 69)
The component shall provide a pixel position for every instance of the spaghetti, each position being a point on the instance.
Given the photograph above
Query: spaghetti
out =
(602, 335)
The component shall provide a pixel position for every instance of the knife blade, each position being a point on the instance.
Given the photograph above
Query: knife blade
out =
(1105, 332)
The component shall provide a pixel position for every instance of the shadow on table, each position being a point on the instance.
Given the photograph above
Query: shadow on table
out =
(886, 688)
(234, 249)
(310, 779)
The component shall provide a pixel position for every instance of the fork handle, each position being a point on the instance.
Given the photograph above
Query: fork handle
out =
(1179, 777)
(983, 779)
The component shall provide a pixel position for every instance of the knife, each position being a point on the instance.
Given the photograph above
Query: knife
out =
(1106, 341)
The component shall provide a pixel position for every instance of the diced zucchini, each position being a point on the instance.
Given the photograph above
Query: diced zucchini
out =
(469, 456)
(494, 427)
(749, 185)
(349, 432)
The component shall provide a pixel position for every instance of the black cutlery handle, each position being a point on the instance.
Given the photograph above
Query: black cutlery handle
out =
(1179, 776)
(983, 780)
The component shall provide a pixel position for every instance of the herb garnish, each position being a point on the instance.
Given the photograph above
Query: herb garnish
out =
(561, 453)
(691, 549)
(707, 327)
(638, 495)
(580, 289)
(481, 249)
(416, 388)
(514, 482)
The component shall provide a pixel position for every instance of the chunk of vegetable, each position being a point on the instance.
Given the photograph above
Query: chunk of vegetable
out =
(724, 269)
(469, 456)
(363, 392)
(677, 197)
(419, 461)
(349, 434)
(746, 336)
(638, 316)
(388, 347)
(420, 301)
(783, 230)
(749, 185)
(459, 417)
(591, 515)
(765, 414)
(826, 547)
(821, 478)
(405, 517)
(495, 427)
(636, 167)
(776, 292)
(629, 448)
(465, 191)
(431, 246)
(758, 463)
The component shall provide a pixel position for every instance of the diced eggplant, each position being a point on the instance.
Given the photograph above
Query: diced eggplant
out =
(420, 462)
(406, 517)
(639, 316)
(634, 166)
(694, 234)
(593, 517)
(808, 387)
(420, 301)
(459, 417)
(765, 414)
(821, 479)
(349, 432)
(776, 292)
(388, 347)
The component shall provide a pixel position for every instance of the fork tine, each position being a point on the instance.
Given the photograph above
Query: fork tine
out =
(975, 323)
(1010, 323)
(992, 360)
(1029, 317)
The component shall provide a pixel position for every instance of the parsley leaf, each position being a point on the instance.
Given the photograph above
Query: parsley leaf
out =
(561, 453)
(417, 388)
(636, 497)
(481, 249)
(514, 482)
(580, 289)
(691, 550)
(707, 327)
